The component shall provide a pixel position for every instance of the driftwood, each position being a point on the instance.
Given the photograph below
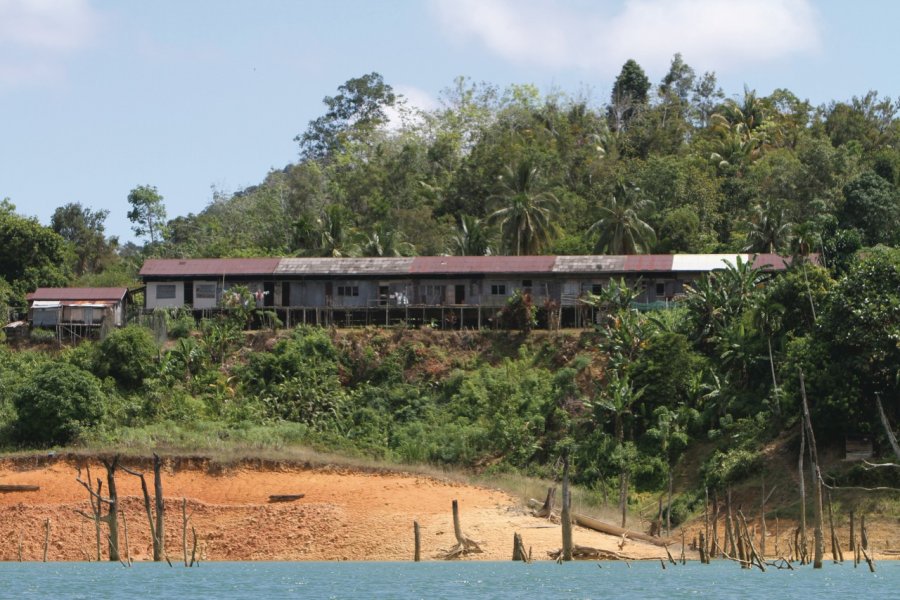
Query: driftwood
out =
(285, 497)
(9, 488)
(589, 553)
(464, 545)
(417, 540)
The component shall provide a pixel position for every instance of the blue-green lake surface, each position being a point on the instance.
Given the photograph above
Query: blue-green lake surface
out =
(453, 580)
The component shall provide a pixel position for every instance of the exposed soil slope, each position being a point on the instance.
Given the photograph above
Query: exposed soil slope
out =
(345, 514)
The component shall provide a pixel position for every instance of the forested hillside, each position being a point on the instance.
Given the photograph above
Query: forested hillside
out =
(672, 167)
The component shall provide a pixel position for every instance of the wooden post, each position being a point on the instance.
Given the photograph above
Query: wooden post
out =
(704, 560)
(565, 515)
(46, 538)
(194, 559)
(852, 532)
(417, 552)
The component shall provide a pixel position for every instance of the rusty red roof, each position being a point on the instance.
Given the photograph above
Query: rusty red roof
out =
(648, 262)
(89, 294)
(453, 265)
(204, 267)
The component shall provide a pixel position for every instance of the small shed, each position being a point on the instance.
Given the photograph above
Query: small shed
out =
(90, 307)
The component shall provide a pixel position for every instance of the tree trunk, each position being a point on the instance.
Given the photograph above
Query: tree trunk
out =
(160, 509)
(817, 479)
(774, 381)
(669, 506)
(801, 553)
(887, 427)
(417, 538)
(566, 514)
(762, 521)
(112, 515)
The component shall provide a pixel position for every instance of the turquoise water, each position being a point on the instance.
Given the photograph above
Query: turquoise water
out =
(452, 580)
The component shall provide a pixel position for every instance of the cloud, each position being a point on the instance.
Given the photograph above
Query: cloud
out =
(711, 34)
(36, 36)
(408, 113)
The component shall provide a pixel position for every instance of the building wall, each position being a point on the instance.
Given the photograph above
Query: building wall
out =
(159, 294)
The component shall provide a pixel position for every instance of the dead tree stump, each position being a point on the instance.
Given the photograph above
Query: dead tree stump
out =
(464, 545)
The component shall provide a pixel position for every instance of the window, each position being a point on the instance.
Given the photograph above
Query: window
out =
(526, 283)
(165, 291)
(348, 290)
(596, 288)
(498, 289)
(660, 289)
(432, 294)
(205, 290)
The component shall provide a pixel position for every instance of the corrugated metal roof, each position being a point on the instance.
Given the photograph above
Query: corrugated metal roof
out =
(112, 294)
(459, 265)
(344, 266)
(589, 264)
(201, 267)
(642, 263)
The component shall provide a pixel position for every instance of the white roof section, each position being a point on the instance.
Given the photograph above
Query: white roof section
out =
(705, 262)
(45, 304)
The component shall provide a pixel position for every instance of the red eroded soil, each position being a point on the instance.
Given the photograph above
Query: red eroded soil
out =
(344, 515)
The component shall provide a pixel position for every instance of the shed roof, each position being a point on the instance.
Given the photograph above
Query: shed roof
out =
(110, 294)
(205, 267)
(458, 265)
(344, 266)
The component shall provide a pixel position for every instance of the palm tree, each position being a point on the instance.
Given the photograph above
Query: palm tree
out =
(770, 230)
(618, 397)
(384, 242)
(621, 229)
(336, 234)
(526, 215)
(471, 238)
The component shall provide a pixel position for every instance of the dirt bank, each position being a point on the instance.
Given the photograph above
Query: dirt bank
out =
(344, 515)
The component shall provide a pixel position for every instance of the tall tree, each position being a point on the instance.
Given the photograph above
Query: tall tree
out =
(148, 213)
(526, 213)
(31, 255)
(629, 94)
(84, 229)
(359, 107)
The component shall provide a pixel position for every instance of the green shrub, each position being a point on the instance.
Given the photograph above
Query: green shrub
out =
(180, 324)
(42, 336)
(55, 404)
(128, 355)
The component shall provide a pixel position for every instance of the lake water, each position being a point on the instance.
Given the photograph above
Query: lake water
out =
(452, 580)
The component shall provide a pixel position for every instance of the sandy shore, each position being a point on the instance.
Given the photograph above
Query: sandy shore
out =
(344, 515)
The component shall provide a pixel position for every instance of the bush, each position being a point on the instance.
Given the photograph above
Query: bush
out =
(127, 355)
(55, 404)
(180, 324)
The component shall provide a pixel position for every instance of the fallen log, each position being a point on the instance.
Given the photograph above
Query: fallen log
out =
(602, 527)
(589, 553)
(7, 488)
(285, 497)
